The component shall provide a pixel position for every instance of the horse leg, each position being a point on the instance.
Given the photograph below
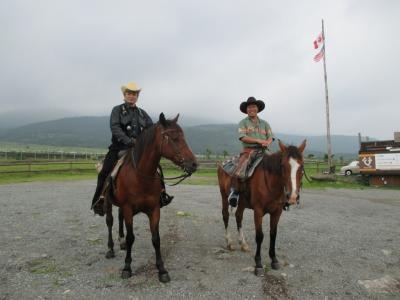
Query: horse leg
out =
(225, 217)
(154, 219)
(109, 221)
(274, 219)
(258, 216)
(130, 238)
(121, 236)
(239, 217)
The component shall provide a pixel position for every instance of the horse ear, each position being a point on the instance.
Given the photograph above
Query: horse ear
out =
(282, 146)
(176, 118)
(302, 146)
(162, 120)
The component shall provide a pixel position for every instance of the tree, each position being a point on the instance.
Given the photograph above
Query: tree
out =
(225, 153)
(208, 153)
(310, 156)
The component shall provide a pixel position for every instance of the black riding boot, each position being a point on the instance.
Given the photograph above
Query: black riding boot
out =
(97, 201)
(233, 197)
(165, 199)
(108, 164)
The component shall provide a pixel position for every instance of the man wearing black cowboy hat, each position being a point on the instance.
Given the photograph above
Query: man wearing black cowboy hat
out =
(255, 134)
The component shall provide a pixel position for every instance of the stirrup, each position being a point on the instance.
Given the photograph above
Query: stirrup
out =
(165, 199)
(98, 207)
(233, 198)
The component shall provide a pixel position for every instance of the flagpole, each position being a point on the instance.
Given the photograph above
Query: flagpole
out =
(328, 129)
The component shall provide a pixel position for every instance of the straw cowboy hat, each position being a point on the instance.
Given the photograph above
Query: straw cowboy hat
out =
(251, 100)
(131, 86)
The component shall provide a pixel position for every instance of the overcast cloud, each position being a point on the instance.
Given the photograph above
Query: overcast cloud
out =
(202, 58)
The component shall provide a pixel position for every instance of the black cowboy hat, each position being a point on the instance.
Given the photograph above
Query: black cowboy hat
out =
(251, 100)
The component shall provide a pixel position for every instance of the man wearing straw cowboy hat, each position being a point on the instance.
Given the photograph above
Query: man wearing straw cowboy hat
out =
(127, 121)
(255, 134)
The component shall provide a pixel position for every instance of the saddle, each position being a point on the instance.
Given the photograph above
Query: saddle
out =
(109, 185)
(242, 166)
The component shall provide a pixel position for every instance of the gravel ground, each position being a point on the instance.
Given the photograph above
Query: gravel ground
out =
(341, 244)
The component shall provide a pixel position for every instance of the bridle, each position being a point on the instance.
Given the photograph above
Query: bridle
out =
(164, 136)
(178, 156)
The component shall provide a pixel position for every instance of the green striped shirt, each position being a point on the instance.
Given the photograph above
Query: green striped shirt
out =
(259, 130)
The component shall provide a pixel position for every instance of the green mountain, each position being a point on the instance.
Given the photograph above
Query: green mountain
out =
(95, 132)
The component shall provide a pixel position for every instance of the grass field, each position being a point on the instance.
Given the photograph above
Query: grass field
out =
(84, 170)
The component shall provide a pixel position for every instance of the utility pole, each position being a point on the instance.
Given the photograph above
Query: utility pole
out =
(328, 126)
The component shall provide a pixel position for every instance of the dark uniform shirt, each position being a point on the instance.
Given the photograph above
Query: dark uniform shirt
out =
(126, 123)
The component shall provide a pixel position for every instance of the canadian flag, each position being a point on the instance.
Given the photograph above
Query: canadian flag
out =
(318, 41)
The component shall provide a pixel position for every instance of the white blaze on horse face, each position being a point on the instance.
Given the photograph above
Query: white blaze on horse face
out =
(294, 166)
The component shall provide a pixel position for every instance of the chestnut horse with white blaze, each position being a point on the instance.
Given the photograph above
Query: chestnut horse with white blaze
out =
(274, 184)
(138, 188)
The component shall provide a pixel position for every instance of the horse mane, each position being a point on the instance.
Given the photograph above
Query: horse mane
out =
(272, 162)
(145, 139)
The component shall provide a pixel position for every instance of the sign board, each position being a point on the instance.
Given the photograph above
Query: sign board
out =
(379, 161)
(367, 162)
(387, 161)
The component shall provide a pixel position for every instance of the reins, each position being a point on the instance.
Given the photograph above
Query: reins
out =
(306, 176)
(181, 177)
(178, 155)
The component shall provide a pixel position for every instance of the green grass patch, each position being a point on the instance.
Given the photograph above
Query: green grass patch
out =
(334, 184)
(181, 213)
(59, 176)
(203, 176)
(42, 266)
(95, 241)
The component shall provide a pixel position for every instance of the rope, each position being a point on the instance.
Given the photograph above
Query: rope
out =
(306, 176)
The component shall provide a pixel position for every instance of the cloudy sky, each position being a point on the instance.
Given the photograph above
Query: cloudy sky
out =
(202, 58)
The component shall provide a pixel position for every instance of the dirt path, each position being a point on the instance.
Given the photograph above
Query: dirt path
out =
(334, 247)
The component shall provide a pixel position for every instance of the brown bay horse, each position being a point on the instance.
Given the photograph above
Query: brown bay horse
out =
(138, 188)
(275, 183)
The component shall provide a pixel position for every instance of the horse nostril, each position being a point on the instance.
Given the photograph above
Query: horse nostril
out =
(287, 195)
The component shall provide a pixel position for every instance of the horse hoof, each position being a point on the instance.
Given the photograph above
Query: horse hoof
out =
(259, 271)
(230, 247)
(110, 254)
(126, 274)
(275, 265)
(123, 246)
(164, 278)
